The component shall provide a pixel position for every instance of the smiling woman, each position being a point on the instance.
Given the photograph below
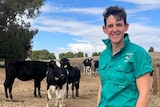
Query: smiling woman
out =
(124, 67)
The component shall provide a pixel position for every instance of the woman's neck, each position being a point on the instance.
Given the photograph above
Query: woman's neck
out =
(116, 48)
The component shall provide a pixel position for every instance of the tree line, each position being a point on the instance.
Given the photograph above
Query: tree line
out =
(46, 55)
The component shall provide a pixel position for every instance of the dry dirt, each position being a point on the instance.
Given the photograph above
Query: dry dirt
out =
(23, 94)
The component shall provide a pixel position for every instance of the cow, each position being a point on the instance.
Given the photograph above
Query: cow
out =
(96, 62)
(24, 70)
(56, 83)
(87, 66)
(74, 76)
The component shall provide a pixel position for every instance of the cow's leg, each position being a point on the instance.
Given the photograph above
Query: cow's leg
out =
(35, 87)
(10, 86)
(61, 102)
(5, 88)
(73, 84)
(37, 84)
(90, 70)
(67, 88)
(63, 92)
(50, 90)
(84, 69)
(77, 88)
(57, 98)
(39, 89)
(87, 71)
(61, 96)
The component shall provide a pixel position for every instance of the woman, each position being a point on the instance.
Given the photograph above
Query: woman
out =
(124, 67)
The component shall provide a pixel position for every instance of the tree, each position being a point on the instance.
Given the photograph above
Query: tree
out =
(80, 54)
(86, 55)
(61, 55)
(151, 49)
(70, 55)
(95, 54)
(41, 55)
(15, 34)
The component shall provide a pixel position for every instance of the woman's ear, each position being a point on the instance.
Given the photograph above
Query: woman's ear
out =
(126, 27)
(104, 29)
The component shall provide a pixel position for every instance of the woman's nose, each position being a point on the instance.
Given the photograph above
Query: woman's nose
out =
(115, 28)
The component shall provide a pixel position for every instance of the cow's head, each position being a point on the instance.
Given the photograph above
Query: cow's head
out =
(57, 71)
(65, 63)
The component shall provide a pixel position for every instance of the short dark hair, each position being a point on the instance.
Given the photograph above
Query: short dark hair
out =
(118, 12)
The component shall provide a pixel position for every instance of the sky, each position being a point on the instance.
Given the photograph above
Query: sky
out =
(76, 25)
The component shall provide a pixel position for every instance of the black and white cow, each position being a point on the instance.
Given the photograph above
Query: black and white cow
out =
(24, 70)
(87, 66)
(74, 76)
(56, 83)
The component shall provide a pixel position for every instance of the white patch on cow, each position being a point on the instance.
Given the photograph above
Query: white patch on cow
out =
(87, 70)
(60, 95)
(56, 78)
(50, 91)
(58, 63)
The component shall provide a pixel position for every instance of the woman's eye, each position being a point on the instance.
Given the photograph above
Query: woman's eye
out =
(109, 26)
(119, 25)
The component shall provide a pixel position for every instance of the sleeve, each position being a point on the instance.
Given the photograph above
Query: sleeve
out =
(143, 63)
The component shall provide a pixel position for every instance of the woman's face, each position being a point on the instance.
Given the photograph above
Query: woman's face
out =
(115, 29)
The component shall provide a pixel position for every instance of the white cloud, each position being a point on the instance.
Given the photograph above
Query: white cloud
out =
(76, 28)
(144, 35)
(142, 2)
(80, 47)
(143, 5)
(54, 8)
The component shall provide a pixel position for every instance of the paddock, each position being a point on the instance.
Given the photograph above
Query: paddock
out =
(23, 92)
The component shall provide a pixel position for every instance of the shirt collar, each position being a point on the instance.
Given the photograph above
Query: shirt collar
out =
(107, 42)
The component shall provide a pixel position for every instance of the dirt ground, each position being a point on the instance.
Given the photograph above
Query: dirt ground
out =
(23, 94)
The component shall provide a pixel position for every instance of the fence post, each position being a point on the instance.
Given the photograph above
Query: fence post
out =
(156, 87)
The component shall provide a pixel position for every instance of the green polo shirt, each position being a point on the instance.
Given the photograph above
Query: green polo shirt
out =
(118, 73)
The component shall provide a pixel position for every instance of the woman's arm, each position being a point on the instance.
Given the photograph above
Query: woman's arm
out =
(143, 85)
(99, 94)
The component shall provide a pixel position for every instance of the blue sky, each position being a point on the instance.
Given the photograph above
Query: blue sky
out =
(76, 25)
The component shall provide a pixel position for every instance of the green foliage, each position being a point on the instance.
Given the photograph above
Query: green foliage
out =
(95, 54)
(79, 54)
(70, 55)
(151, 49)
(15, 34)
(41, 55)
(86, 55)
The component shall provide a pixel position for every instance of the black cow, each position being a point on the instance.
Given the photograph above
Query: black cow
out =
(73, 76)
(56, 82)
(87, 66)
(96, 62)
(24, 70)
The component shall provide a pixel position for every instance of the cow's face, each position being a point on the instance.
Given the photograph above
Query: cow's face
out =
(65, 63)
(58, 71)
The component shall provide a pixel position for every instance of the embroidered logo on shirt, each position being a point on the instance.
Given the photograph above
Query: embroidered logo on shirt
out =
(128, 56)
